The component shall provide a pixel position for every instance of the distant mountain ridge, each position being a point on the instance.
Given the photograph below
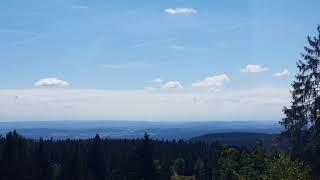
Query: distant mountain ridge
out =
(242, 139)
(134, 129)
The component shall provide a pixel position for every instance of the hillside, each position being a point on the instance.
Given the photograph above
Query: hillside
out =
(99, 158)
(134, 129)
(242, 139)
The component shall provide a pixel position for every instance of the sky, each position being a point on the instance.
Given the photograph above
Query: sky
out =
(162, 60)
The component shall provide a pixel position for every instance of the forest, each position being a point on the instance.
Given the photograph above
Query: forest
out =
(100, 158)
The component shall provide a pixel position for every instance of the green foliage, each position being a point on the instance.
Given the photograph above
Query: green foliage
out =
(102, 159)
(178, 167)
(260, 165)
(55, 172)
(199, 168)
(229, 163)
(248, 168)
(284, 168)
(183, 178)
(302, 117)
(147, 169)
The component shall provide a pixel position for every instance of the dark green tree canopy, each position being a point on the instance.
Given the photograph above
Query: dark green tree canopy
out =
(302, 117)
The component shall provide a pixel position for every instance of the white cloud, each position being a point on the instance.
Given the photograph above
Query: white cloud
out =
(154, 84)
(51, 82)
(180, 11)
(253, 68)
(212, 81)
(214, 89)
(285, 72)
(156, 81)
(172, 85)
(83, 104)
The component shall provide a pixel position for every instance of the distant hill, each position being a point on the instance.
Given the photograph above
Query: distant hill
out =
(242, 139)
(134, 129)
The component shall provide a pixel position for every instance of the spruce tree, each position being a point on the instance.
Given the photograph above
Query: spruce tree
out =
(146, 158)
(302, 117)
(96, 161)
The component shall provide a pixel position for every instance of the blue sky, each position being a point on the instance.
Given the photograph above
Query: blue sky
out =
(122, 46)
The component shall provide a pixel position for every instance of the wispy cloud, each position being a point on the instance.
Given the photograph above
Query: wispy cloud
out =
(180, 11)
(284, 72)
(154, 84)
(172, 85)
(253, 68)
(68, 103)
(212, 82)
(214, 89)
(156, 81)
(51, 82)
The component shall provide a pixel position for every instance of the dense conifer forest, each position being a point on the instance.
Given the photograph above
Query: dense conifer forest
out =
(103, 159)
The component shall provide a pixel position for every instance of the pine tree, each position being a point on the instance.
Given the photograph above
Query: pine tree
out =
(146, 155)
(96, 160)
(302, 121)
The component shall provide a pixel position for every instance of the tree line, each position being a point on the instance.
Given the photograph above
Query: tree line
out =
(108, 159)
